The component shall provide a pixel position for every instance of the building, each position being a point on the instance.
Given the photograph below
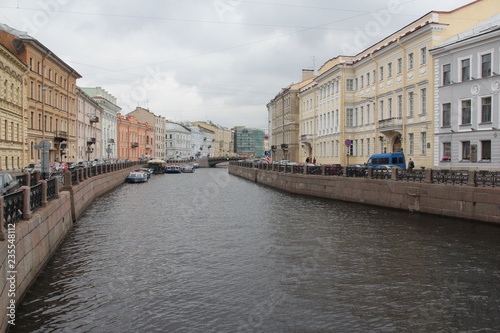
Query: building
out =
(380, 100)
(249, 142)
(135, 139)
(467, 107)
(89, 129)
(109, 119)
(13, 152)
(178, 141)
(284, 112)
(51, 91)
(159, 123)
(222, 145)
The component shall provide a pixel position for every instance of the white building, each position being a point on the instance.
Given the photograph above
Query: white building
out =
(467, 104)
(89, 131)
(178, 141)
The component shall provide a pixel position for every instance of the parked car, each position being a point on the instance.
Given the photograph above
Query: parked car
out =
(387, 168)
(32, 167)
(334, 169)
(356, 170)
(8, 183)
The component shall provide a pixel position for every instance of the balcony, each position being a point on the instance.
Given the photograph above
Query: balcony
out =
(91, 141)
(390, 124)
(94, 119)
(149, 147)
(111, 140)
(306, 137)
(134, 144)
(61, 136)
(284, 146)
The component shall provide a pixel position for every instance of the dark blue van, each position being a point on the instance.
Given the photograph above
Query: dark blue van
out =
(387, 158)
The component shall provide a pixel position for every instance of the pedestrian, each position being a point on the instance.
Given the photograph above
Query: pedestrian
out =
(314, 160)
(411, 165)
(307, 160)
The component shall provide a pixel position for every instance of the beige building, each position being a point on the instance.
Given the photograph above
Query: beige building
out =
(284, 116)
(222, 144)
(13, 153)
(380, 100)
(51, 91)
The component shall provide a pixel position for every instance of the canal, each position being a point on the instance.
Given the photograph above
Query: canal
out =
(210, 252)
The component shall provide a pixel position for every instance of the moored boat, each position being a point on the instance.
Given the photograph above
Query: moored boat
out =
(187, 169)
(173, 168)
(137, 177)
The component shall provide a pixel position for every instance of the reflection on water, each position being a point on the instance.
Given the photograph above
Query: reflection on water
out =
(209, 252)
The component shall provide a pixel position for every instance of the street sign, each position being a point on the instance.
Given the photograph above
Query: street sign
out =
(348, 143)
(268, 153)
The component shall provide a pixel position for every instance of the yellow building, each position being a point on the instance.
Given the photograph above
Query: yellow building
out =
(51, 96)
(381, 99)
(12, 105)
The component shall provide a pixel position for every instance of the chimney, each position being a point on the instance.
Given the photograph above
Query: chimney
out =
(307, 74)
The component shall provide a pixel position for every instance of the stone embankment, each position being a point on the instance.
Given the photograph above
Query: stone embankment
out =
(28, 244)
(460, 201)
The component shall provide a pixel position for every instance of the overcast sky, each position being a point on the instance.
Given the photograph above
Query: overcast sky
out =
(209, 60)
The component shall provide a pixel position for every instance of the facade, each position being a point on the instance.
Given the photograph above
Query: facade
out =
(51, 92)
(109, 120)
(222, 145)
(196, 141)
(284, 113)
(380, 100)
(178, 142)
(146, 116)
(249, 142)
(89, 129)
(467, 85)
(207, 147)
(13, 153)
(135, 139)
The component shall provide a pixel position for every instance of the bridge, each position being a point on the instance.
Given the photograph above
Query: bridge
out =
(213, 161)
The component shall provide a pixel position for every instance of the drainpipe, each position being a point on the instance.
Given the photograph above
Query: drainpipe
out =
(403, 111)
(375, 99)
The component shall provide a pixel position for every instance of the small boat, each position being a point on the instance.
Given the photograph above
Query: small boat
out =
(147, 171)
(187, 169)
(137, 177)
(173, 169)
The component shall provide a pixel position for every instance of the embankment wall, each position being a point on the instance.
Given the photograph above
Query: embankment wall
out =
(35, 240)
(464, 202)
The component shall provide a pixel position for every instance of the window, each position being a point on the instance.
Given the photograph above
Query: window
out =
(466, 112)
(446, 74)
(400, 106)
(466, 70)
(32, 89)
(368, 114)
(350, 118)
(410, 143)
(389, 69)
(486, 65)
(356, 84)
(446, 151)
(368, 147)
(423, 56)
(446, 113)
(400, 65)
(486, 150)
(410, 61)
(367, 79)
(466, 150)
(423, 101)
(423, 142)
(381, 110)
(31, 63)
(350, 84)
(486, 109)
(411, 104)
(362, 113)
(381, 72)
(389, 108)
(362, 81)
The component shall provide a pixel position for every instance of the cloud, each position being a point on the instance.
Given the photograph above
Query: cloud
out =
(218, 60)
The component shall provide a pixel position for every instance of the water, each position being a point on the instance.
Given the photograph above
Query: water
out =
(209, 252)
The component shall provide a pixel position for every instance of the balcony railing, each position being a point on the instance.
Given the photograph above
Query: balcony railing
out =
(306, 137)
(394, 122)
(91, 141)
(61, 135)
(94, 119)
(134, 144)
(111, 140)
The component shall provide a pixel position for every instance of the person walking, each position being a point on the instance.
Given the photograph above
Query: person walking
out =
(314, 160)
(307, 159)
(411, 165)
